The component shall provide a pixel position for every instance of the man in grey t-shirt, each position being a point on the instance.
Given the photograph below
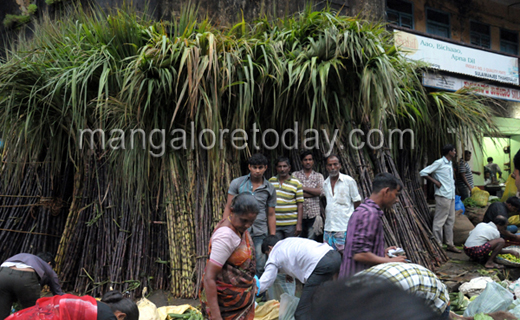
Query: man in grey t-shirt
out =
(254, 183)
(493, 169)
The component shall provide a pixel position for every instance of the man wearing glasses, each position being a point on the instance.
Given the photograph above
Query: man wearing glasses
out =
(254, 183)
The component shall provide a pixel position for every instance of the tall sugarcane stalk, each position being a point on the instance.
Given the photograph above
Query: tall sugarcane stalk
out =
(132, 218)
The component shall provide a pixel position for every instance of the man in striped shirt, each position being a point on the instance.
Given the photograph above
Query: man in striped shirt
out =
(289, 200)
(464, 181)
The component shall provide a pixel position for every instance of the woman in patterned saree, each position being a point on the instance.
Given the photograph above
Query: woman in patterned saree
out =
(228, 287)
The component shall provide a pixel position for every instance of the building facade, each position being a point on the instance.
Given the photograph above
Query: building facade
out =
(468, 44)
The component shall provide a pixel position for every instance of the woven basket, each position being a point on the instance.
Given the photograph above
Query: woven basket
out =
(507, 262)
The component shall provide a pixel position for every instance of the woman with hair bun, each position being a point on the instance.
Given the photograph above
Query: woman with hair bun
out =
(228, 286)
(113, 306)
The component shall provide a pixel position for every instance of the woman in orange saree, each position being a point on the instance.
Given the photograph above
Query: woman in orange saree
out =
(228, 287)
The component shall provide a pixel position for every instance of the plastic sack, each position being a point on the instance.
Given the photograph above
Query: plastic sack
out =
(514, 287)
(515, 311)
(510, 190)
(147, 310)
(268, 311)
(459, 205)
(481, 197)
(65, 307)
(475, 286)
(288, 304)
(514, 220)
(493, 298)
(318, 226)
(281, 286)
(461, 229)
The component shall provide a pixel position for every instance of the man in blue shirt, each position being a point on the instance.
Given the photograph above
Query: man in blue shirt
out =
(440, 173)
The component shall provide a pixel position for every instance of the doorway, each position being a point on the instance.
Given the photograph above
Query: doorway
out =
(494, 147)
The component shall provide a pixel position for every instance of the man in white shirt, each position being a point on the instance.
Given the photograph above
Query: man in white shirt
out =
(311, 262)
(440, 173)
(484, 242)
(343, 197)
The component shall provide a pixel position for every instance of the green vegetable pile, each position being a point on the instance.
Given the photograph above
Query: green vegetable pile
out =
(188, 315)
(481, 316)
(494, 200)
(470, 202)
(509, 257)
(459, 302)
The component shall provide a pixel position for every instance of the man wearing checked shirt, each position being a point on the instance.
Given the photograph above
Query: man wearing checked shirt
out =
(440, 173)
(414, 279)
(289, 200)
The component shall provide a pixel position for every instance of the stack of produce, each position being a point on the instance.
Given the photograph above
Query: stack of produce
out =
(136, 216)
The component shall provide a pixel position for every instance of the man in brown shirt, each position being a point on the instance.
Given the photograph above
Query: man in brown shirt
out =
(312, 182)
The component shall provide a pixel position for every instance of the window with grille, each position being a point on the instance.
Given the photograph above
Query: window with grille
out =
(480, 34)
(400, 13)
(438, 23)
(509, 41)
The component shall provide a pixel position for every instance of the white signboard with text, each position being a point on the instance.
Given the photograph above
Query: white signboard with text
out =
(453, 84)
(459, 59)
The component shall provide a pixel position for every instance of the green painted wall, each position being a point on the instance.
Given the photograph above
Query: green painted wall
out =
(493, 147)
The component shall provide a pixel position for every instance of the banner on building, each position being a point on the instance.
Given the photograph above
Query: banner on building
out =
(453, 84)
(459, 59)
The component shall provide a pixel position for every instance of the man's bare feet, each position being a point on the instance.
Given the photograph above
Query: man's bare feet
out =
(492, 265)
(453, 249)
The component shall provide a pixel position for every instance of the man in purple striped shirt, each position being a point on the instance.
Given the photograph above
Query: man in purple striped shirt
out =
(364, 246)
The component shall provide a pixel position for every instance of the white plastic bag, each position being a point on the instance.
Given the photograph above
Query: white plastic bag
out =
(147, 309)
(288, 304)
(281, 286)
(515, 311)
(475, 286)
(493, 298)
(318, 226)
(515, 288)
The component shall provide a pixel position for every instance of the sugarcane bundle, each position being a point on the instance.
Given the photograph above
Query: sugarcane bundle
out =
(180, 231)
(32, 208)
(124, 71)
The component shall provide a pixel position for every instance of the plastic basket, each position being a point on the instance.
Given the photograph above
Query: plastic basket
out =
(507, 262)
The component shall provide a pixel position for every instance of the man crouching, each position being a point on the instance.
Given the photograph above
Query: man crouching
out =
(311, 262)
(484, 242)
